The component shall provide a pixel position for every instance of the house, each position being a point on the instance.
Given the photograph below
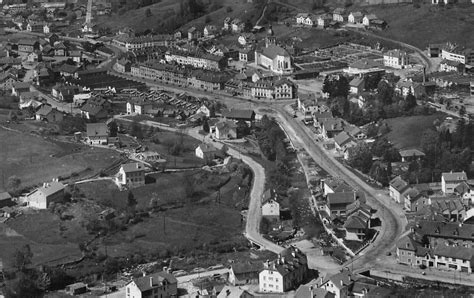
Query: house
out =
(333, 185)
(439, 232)
(239, 115)
(6, 200)
(35, 56)
(97, 133)
(107, 214)
(60, 50)
(207, 152)
(210, 30)
(139, 106)
(244, 273)
(205, 110)
(7, 80)
(397, 187)
(411, 155)
(357, 85)
(50, 192)
(49, 114)
(76, 289)
(246, 39)
(300, 17)
(231, 292)
(466, 191)
(355, 17)
(20, 87)
(339, 15)
(324, 20)
(226, 130)
(131, 174)
(193, 33)
(64, 93)
(450, 180)
(123, 65)
(287, 272)
(28, 45)
(343, 141)
(237, 25)
(311, 21)
(274, 58)
(161, 284)
(68, 71)
(338, 284)
(270, 205)
(312, 290)
(453, 52)
(93, 111)
(331, 127)
(396, 59)
(338, 202)
(451, 66)
(368, 19)
(227, 23)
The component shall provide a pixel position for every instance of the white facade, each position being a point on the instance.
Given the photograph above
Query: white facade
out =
(465, 58)
(450, 180)
(128, 176)
(396, 59)
(270, 281)
(271, 209)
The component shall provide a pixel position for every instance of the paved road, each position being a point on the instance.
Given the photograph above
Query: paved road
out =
(254, 213)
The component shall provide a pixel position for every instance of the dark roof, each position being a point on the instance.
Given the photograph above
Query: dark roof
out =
(97, 129)
(149, 282)
(454, 176)
(239, 114)
(247, 267)
(341, 198)
(5, 196)
(207, 147)
(290, 264)
(68, 68)
(272, 51)
(399, 184)
(356, 221)
(411, 152)
(457, 252)
(444, 230)
(44, 110)
(133, 167)
(341, 279)
(342, 138)
(268, 195)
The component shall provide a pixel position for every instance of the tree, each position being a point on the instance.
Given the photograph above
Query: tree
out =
(136, 130)
(385, 92)
(205, 126)
(148, 13)
(131, 202)
(462, 111)
(22, 258)
(13, 184)
(410, 102)
(113, 129)
(360, 157)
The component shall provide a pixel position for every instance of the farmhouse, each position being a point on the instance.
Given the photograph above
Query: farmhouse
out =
(5, 200)
(338, 202)
(244, 273)
(48, 114)
(411, 155)
(28, 45)
(97, 133)
(396, 189)
(138, 106)
(226, 130)
(270, 205)
(50, 192)
(206, 152)
(161, 284)
(131, 174)
(239, 115)
(355, 17)
(20, 87)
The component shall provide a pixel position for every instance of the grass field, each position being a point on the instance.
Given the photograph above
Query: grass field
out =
(406, 132)
(35, 159)
(427, 24)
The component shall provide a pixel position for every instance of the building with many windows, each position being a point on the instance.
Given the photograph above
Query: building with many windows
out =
(131, 174)
(396, 59)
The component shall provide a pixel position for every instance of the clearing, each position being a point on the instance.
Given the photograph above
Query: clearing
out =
(406, 132)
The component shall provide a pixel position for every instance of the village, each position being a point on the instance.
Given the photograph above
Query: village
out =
(233, 158)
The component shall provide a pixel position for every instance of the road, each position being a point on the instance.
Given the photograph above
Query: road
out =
(254, 213)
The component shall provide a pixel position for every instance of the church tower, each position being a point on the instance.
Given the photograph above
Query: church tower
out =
(270, 39)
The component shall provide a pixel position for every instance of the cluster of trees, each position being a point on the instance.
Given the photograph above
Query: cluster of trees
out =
(26, 281)
(270, 139)
(384, 104)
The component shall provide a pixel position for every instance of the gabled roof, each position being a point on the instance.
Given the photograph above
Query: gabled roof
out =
(44, 110)
(357, 82)
(239, 114)
(399, 184)
(356, 222)
(159, 279)
(340, 280)
(5, 196)
(457, 252)
(342, 138)
(205, 147)
(411, 152)
(51, 188)
(272, 51)
(444, 230)
(97, 129)
(462, 188)
(454, 176)
(225, 125)
(246, 267)
(341, 198)
(133, 167)
(268, 195)
(68, 68)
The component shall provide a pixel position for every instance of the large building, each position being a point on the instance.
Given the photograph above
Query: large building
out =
(196, 59)
(396, 59)
(287, 272)
(131, 174)
(456, 53)
(142, 42)
(450, 180)
(43, 196)
(273, 57)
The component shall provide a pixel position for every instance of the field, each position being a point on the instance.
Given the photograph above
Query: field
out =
(406, 132)
(35, 159)
(421, 26)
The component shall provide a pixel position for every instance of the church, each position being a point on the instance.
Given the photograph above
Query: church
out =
(273, 57)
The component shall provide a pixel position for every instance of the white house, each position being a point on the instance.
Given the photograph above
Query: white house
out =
(274, 58)
(226, 130)
(206, 152)
(161, 284)
(368, 18)
(338, 284)
(396, 59)
(50, 192)
(204, 110)
(131, 174)
(396, 189)
(271, 210)
(355, 17)
(288, 271)
(450, 180)
(138, 106)
(301, 17)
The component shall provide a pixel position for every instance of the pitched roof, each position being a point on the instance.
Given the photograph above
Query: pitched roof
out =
(462, 188)
(5, 196)
(51, 188)
(399, 184)
(239, 114)
(457, 252)
(149, 282)
(225, 125)
(411, 152)
(341, 198)
(357, 82)
(246, 267)
(293, 259)
(268, 195)
(97, 129)
(355, 221)
(68, 68)
(205, 147)
(133, 167)
(44, 110)
(444, 230)
(342, 138)
(341, 279)
(272, 51)
(454, 176)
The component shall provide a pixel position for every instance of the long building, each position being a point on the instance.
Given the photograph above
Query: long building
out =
(142, 42)
(196, 59)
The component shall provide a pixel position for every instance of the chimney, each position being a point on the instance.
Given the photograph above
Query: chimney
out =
(151, 281)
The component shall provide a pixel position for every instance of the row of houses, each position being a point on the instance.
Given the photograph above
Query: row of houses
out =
(339, 15)
(131, 43)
